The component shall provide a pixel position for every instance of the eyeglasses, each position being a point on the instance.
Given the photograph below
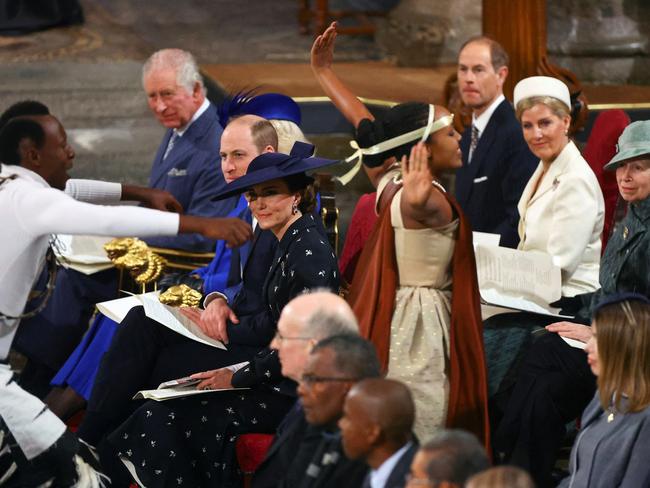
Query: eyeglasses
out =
(279, 337)
(310, 379)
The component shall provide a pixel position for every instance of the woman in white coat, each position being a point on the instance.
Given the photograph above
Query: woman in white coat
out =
(561, 214)
(561, 209)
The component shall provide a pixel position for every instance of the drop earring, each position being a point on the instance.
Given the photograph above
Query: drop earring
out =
(294, 208)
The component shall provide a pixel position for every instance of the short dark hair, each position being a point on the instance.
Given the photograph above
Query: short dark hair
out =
(22, 109)
(15, 131)
(263, 134)
(457, 455)
(498, 55)
(354, 357)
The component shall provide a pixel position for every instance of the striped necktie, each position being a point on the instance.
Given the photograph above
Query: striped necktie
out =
(170, 144)
(473, 143)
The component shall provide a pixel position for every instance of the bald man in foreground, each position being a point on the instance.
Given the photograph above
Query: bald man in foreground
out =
(304, 321)
(376, 426)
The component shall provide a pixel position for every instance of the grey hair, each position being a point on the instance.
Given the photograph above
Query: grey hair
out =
(355, 357)
(183, 64)
(325, 323)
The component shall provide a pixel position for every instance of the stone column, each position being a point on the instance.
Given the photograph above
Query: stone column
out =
(602, 41)
(428, 32)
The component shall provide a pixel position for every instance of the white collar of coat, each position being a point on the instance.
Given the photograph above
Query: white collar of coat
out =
(22, 172)
(558, 167)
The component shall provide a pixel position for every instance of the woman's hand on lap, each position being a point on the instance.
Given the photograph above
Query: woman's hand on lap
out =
(215, 379)
(570, 330)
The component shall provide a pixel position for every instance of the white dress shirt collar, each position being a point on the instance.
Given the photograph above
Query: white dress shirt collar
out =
(379, 476)
(482, 120)
(204, 106)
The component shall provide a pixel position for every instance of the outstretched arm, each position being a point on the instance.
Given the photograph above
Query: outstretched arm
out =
(322, 55)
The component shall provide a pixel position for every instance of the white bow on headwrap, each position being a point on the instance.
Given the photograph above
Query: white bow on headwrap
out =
(421, 133)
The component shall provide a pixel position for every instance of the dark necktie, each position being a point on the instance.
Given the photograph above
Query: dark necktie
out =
(473, 143)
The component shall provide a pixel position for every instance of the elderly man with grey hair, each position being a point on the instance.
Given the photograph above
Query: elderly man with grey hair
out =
(187, 162)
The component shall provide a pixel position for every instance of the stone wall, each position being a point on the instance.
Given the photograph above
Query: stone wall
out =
(601, 41)
(429, 32)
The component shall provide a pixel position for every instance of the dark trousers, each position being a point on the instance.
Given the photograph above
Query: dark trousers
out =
(554, 386)
(143, 354)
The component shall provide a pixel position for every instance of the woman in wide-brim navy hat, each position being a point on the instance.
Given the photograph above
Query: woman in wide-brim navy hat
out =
(278, 189)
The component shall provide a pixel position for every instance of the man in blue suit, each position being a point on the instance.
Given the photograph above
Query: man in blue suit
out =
(186, 165)
(187, 161)
(497, 163)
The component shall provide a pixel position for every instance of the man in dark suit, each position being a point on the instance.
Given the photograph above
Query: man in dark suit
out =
(334, 366)
(304, 321)
(497, 163)
(376, 427)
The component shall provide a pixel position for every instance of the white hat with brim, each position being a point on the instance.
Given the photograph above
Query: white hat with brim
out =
(542, 86)
(633, 143)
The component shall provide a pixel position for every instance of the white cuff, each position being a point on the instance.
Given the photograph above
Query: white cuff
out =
(210, 297)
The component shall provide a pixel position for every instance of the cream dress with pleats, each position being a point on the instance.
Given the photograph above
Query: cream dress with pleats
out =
(419, 342)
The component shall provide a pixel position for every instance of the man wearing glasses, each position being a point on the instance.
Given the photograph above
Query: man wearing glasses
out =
(334, 366)
(304, 321)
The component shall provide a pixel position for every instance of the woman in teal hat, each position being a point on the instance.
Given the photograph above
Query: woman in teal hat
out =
(555, 384)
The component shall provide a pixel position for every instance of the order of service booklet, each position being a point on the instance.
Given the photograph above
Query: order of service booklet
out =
(170, 317)
(177, 388)
(510, 279)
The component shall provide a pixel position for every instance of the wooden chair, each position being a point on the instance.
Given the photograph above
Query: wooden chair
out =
(317, 14)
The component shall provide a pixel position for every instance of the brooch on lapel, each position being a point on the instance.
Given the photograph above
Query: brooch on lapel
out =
(555, 183)
(625, 232)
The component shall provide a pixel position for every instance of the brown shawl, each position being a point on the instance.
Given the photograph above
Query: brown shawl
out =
(372, 297)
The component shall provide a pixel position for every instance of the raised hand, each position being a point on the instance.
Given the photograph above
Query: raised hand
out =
(416, 177)
(322, 51)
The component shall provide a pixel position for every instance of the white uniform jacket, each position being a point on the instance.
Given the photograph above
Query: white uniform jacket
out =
(30, 211)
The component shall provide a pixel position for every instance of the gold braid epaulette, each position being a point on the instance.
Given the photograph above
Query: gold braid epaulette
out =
(180, 296)
(134, 255)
